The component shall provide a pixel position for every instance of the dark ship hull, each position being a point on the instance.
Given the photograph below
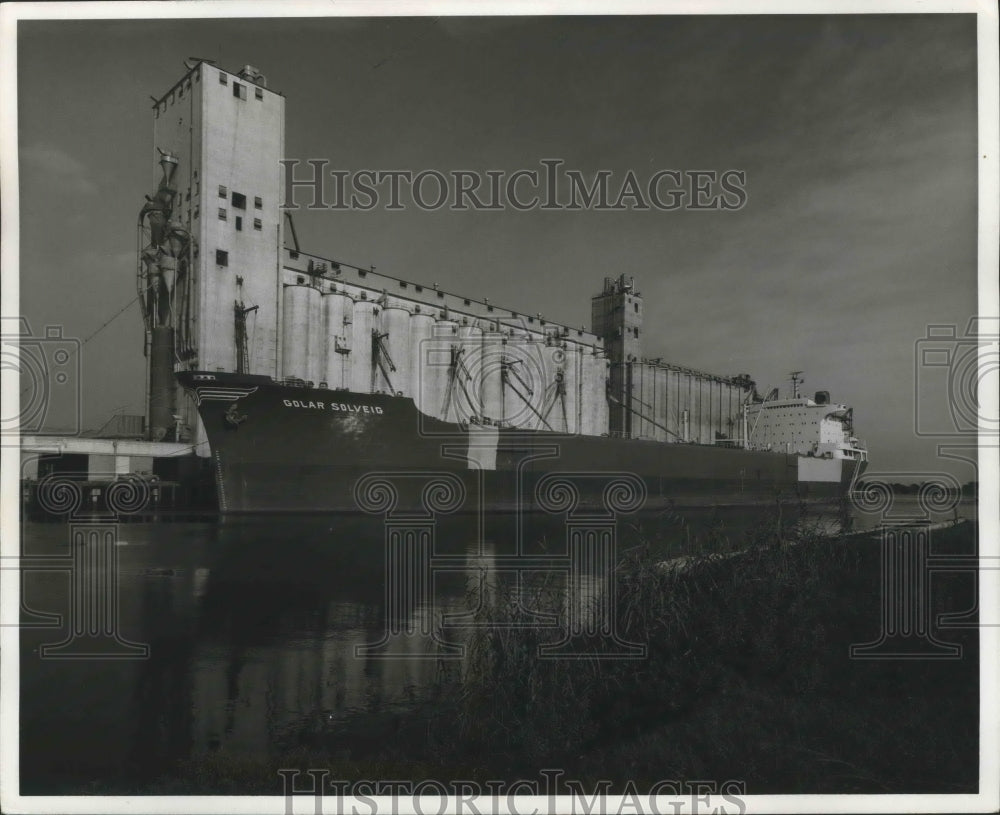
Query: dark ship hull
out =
(285, 448)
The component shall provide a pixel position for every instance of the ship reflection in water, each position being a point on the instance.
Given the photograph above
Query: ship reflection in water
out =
(270, 635)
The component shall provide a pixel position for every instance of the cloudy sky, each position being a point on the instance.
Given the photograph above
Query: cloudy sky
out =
(857, 135)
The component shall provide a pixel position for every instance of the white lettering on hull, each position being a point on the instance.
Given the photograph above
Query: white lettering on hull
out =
(336, 407)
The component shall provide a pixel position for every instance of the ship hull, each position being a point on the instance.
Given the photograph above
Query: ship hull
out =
(281, 448)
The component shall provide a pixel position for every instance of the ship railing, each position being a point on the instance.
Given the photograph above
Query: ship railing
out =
(861, 447)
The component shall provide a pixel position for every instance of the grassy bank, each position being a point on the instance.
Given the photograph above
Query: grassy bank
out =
(748, 676)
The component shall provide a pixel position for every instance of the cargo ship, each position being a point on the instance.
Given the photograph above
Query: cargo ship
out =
(288, 446)
(303, 377)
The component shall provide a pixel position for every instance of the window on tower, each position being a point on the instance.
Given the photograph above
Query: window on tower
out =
(258, 92)
(239, 91)
(239, 200)
(221, 257)
(222, 213)
(239, 224)
(256, 223)
(258, 202)
(223, 80)
(223, 192)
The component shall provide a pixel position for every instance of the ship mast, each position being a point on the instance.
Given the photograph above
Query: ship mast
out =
(797, 379)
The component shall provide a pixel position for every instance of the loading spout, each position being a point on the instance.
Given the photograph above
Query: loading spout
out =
(643, 417)
(531, 407)
(164, 287)
(291, 228)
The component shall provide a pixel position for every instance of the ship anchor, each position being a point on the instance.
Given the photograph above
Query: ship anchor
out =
(233, 417)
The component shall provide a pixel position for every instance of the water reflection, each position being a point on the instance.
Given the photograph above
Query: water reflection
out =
(269, 634)
(275, 661)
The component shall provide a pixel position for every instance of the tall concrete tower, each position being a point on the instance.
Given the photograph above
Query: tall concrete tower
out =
(616, 317)
(211, 237)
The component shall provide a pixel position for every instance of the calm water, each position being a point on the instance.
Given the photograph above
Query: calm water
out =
(252, 628)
